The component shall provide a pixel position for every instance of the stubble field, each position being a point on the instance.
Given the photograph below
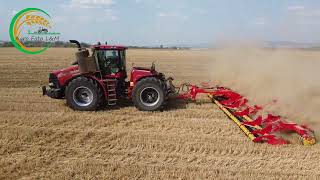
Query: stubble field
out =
(42, 138)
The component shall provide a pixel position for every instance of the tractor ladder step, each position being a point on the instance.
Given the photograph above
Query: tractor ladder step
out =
(112, 94)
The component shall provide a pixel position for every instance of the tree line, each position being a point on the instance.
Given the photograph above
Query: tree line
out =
(63, 44)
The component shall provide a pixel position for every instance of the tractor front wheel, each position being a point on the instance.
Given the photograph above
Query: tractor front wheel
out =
(83, 94)
(148, 94)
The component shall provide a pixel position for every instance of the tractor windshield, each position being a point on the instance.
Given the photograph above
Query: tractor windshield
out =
(111, 61)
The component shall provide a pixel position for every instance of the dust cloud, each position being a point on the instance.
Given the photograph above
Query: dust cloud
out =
(287, 75)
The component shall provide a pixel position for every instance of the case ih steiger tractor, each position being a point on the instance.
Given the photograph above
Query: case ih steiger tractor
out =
(100, 78)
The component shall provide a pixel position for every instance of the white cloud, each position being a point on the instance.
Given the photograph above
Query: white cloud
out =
(200, 11)
(304, 16)
(260, 21)
(310, 14)
(111, 15)
(59, 19)
(296, 8)
(90, 3)
(301, 11)
(172, 15)
(162, 14)
(114, 18)
(14, 12)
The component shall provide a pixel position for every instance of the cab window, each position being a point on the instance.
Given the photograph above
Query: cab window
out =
(109, 61)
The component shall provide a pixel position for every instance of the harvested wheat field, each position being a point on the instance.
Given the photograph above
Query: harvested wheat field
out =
(42, 138)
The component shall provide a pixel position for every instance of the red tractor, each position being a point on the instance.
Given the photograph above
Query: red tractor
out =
(100, 78)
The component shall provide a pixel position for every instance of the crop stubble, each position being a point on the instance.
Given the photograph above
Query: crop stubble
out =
(41, 137)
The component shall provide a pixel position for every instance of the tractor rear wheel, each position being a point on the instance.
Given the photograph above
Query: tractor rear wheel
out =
(83, 94)
(148, 94)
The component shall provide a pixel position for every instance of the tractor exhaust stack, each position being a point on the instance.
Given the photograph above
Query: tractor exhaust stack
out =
(77, 43)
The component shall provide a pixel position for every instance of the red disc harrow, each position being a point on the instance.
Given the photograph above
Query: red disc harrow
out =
(258, 128)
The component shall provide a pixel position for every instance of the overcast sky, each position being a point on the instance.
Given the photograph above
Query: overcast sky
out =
(169, 22)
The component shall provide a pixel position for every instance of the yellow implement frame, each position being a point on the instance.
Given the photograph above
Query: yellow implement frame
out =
(233, 118)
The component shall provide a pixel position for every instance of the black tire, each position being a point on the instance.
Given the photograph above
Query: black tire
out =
(78, 89)
(148, 94)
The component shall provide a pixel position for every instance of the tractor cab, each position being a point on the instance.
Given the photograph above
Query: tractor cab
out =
(110, 60)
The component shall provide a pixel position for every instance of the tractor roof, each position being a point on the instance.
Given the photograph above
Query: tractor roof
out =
(105, 47)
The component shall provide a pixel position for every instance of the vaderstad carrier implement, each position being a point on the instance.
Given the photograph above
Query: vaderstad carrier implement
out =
(100, 79)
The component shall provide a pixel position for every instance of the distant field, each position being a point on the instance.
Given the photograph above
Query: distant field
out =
(42, 138)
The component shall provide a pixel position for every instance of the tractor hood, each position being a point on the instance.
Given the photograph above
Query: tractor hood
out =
(67, 70)
(66, 73)
(140, 72)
